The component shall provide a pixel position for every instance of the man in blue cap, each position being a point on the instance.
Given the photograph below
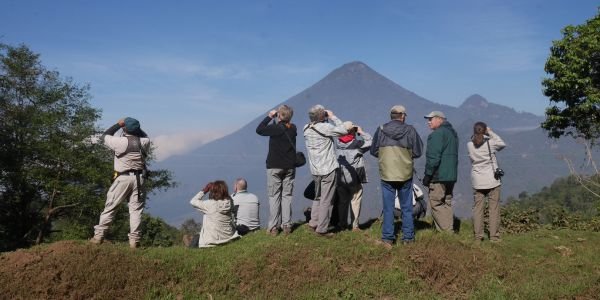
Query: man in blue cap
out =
(129, 163)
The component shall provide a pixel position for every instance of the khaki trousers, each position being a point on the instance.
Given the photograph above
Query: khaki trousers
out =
(493, 196)
(349, 195)
(325, 186)
(124, 187)
(280, 187)
(440, 201)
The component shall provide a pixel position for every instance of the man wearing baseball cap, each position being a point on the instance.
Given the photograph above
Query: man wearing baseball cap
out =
(441, 169)
(129, 163)
(396, 145)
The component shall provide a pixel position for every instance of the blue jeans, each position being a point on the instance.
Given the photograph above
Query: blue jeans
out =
(405, 193)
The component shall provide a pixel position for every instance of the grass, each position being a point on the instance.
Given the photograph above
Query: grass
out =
(537, 265)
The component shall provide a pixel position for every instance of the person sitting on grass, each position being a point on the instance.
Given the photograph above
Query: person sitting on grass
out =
(245, 208)
(218, 226)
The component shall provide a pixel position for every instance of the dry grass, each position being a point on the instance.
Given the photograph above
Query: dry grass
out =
(451, 269)
(72, 270)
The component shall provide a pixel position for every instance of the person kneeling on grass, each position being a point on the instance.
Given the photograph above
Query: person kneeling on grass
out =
(218, 226)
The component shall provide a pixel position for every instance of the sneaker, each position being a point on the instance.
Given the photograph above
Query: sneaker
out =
(324, 234)
(96, 241)
(287, 230)
(356, 229)
(496, 240)
(311, 229)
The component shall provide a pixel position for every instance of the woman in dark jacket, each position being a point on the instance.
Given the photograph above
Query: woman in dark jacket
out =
(280, 167)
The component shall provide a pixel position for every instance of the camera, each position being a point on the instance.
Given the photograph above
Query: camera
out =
(498, 173)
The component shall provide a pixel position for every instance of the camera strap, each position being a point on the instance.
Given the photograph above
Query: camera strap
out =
(491, 157)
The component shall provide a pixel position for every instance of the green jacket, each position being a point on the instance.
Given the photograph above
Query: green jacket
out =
(442, 154)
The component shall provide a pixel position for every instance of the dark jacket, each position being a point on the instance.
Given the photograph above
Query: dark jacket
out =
(396, 145)
(281, 152)
(442, 154)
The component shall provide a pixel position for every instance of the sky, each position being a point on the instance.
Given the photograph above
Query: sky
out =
(192, 71)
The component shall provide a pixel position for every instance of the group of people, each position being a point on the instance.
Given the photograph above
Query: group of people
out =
(335, 151)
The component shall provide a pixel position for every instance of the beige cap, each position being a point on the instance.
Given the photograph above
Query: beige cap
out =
(349, 125)
(435, 113)
(398, 109)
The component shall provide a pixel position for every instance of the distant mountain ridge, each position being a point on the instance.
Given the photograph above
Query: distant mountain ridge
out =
(357, 93)
(499, 116)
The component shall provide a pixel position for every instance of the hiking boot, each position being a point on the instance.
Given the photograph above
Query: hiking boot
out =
(287, 230)
(385, 243)
(96, 241)
(133, 244)
(408, 242)
(273, 232)
(324, 234)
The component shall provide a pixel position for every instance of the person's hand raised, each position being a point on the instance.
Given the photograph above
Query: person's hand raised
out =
(207, 187)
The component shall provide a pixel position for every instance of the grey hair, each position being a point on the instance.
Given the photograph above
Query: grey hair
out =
(285, 113)
(316, 113)
(241, 184)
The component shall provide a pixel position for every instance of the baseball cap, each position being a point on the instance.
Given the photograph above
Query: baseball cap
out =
(349, 125)
(398, 109)
(435, 113)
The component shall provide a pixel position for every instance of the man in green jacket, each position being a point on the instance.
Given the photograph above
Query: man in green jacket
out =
(441, 169)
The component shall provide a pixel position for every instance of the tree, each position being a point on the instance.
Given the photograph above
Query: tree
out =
(574, 88)
(188, 230)
(51, 172)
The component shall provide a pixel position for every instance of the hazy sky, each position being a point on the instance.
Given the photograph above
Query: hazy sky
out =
(193, 70)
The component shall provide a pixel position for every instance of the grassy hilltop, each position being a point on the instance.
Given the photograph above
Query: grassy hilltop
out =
(542, 264)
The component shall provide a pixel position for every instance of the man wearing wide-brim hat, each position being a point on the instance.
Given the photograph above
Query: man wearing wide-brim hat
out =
(130, 151)
(441, 168)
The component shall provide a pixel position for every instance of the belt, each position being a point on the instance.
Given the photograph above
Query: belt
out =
(129, 173)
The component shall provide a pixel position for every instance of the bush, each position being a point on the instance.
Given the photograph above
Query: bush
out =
(515, 220)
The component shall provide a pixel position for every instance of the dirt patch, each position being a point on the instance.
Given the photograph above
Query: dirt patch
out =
(71, 270)
(449, 268)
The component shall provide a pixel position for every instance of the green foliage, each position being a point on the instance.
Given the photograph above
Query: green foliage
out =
(515, 220)
(566, 204)
(53, 177)
(190, 227)
(48, 164)
(574, 87)
(157, 233)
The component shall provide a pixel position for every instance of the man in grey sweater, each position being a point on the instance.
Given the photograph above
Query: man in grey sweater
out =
(245, 208)
(322, 158)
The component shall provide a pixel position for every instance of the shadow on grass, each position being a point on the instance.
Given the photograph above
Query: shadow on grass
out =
(369, 223)
(456, 225)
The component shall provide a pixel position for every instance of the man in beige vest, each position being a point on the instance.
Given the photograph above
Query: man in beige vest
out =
(129, 163)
